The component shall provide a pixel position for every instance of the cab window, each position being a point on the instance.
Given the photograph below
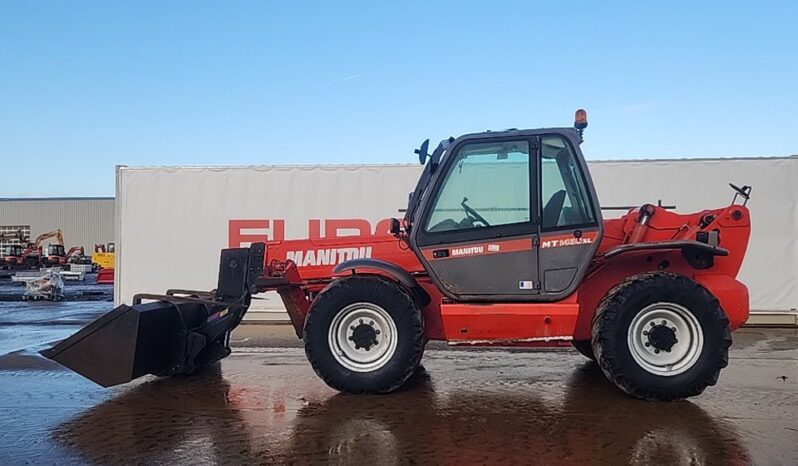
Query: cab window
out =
(564, 196)
(487, 185)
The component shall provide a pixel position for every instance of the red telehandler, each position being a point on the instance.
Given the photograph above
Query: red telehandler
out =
(502, 244)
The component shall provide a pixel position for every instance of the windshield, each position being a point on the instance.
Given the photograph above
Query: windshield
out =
(487, 185)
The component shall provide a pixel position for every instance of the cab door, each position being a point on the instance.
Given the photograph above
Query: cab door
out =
(570, 221)
(477, 230)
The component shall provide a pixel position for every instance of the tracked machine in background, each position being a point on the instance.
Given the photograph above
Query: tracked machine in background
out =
(502, 244)
(12, 255)
(33, 256)
(58, 256)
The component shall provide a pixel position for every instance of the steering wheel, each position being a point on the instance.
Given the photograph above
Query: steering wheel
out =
(744, 192)
(472, 214)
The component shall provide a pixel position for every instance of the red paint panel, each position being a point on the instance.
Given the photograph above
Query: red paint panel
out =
(316, 258)
(481, 248)
(105, 277)
(509, 323)
(732, 294)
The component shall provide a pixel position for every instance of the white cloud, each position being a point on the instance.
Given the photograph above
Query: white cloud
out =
(340, 80)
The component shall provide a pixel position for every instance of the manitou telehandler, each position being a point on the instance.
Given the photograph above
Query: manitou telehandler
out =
(502, 244)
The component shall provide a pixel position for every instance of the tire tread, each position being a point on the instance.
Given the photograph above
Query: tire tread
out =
(366, 287)
(605, 346)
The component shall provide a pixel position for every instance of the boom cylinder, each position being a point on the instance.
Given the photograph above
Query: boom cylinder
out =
(644, 214)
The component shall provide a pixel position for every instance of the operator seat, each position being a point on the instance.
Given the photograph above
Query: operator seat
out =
(553, 209)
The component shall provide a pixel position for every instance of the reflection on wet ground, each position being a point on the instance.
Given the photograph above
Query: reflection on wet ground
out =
(590, 424)
(467, 407)
(496, 407)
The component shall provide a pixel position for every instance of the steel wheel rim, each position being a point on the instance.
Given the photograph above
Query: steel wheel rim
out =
(351, 328)
(654, 328)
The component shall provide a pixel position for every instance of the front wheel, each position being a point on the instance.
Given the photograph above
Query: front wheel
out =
(661, 336)
(364, 334)
(585, 348)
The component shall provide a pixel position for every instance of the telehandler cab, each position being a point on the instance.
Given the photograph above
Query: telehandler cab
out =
(502, 244)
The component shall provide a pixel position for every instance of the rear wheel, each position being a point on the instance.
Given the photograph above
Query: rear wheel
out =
(364, 334)
(661, 336)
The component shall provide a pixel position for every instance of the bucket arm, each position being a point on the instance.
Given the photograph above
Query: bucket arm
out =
(57, 234)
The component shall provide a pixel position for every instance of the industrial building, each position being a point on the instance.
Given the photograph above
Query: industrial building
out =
(218, 207)
(83, 221)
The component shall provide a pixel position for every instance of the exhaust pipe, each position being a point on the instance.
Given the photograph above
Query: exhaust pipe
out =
(174, 333)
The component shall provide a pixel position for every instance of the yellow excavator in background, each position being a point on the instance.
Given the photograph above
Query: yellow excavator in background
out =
(104, 256)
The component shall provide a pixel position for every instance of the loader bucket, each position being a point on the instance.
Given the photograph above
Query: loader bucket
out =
(168, 334)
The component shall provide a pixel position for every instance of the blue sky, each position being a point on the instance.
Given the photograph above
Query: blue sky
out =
(85, 86)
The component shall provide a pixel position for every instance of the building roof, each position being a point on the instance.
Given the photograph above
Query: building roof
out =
(4, 199)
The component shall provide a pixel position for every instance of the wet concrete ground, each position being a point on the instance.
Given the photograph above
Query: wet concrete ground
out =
(265, 405)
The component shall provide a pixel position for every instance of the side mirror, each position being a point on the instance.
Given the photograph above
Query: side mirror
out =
(423, 152)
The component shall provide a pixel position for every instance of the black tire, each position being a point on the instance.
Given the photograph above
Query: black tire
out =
(585, 348)
(615, 315)
(401, 309)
